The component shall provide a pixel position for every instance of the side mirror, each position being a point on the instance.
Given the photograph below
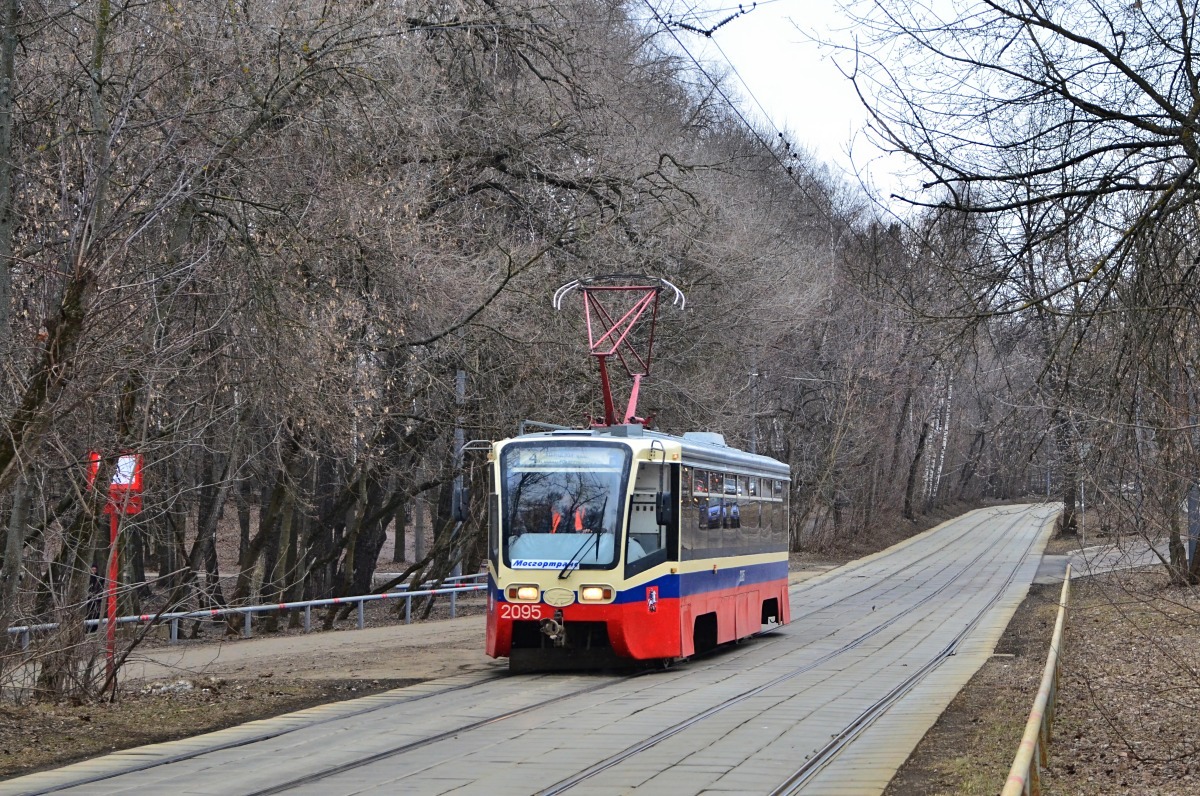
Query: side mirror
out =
(460, 504)
(664, 508)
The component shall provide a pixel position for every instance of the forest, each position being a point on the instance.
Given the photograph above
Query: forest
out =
(257, 243)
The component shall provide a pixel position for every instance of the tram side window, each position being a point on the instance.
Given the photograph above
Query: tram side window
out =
(749, 521)
(717, 519)
(733, 511)
(694, 523)
(648, 542)
(770, 515)
(779, 531)
(786, 495)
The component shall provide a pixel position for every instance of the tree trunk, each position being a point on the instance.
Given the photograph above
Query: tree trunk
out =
(14, 549)
(58, 675)
(1064, 442)
(401, 534)
(911, 486)
(8, 89)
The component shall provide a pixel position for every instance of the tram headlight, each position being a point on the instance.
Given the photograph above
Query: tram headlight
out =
(595, 594)
(523, 594)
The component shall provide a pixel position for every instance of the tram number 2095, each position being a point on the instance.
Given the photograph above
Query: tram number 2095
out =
(520, 611)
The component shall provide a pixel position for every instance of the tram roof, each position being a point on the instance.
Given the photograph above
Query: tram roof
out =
(697, 450)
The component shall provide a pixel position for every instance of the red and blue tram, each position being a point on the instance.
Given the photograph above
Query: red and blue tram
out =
(619, 544)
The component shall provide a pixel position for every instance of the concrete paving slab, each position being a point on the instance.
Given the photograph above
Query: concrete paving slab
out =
(860, 631)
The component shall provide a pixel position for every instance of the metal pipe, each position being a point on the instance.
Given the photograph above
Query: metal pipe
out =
(248, 611)
(1025, 775)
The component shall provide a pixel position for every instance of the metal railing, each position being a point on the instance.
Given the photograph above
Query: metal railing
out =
(462, 584)
(1025, 776)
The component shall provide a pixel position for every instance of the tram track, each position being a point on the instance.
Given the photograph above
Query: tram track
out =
(822, 757)
(796, 781)
(428, 741)
(351, 765)
(644, 745)
(852, 569)
(816, 762)
(266, 735)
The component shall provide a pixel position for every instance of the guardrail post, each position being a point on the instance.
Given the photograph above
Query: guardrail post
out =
(24, 641)
(307, 618)
(246, 631)
(453, 605)
(361, 619)
(408, 610)
(174, 635)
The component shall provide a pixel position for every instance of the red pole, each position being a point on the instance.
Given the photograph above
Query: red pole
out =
(111, 628)
(610, 411)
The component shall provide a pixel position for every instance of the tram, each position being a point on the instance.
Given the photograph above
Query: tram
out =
(619, 543)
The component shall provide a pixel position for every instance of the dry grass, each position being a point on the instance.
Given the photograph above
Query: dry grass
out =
(1127, 703)
(1131, 690)
(37, 736)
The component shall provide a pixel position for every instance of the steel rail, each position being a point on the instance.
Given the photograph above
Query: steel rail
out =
(852, 568)
(814, 763)
(441, 736)
(636, 749)
(1025, 776)
(266, 735)
(409, 746)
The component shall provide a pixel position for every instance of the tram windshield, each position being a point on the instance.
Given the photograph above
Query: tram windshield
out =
(563, 504)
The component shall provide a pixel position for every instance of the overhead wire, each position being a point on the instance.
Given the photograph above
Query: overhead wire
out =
(737, 111)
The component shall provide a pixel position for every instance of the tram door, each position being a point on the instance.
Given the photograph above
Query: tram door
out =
(650, 542)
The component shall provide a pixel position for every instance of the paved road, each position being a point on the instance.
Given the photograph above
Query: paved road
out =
(1122, 555)
(875, 651)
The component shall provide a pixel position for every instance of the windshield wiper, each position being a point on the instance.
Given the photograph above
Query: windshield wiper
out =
(566, 570)
(562, 575)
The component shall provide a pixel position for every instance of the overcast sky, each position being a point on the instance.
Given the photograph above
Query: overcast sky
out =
(795, 80)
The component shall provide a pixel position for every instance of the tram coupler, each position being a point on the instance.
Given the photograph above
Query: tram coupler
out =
(554, 630)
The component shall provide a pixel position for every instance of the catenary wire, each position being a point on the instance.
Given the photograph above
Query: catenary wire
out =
(737, 112)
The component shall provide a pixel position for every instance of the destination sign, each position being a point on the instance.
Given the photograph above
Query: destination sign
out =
(566, 458)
